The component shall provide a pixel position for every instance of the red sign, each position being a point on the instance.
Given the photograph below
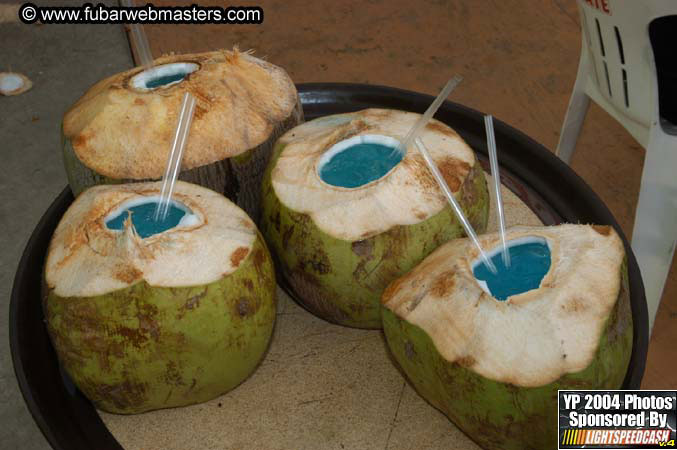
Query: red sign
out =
(602, 5)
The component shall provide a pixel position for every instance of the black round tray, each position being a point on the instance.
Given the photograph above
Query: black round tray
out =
(555, 193)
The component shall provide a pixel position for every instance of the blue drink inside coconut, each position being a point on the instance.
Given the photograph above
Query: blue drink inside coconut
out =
(163, 76)
(345, 213)
(142, 213)
(120, 130)
(360, 160)
(147, 314)
(493, 365)
(530, 261)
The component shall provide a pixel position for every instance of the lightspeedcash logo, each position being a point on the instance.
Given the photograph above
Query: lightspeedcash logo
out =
(617, 419)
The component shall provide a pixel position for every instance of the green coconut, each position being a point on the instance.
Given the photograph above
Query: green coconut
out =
(172, 319)
(338, 248)
(122, 129)
(494, 367)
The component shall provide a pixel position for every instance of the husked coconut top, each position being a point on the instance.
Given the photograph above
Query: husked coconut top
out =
(86, 258)
(406, 195)
(530, 339)
(122, 129)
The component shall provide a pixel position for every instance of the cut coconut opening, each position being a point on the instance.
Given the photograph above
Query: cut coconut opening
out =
(359, 160)
(530, 260)
(142, 212)
(162, 76)
(10, 82)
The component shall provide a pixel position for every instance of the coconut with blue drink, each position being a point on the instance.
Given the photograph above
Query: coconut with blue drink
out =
(148, 313)
(490, 350)
(346, 211)
(121, 129)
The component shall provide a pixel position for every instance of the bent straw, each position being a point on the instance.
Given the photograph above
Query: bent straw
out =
(454, 204)
(493, 161)
(140, 40)
(175, 155)
(430, 112)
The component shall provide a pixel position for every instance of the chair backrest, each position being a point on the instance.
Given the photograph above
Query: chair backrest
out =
(616, 33)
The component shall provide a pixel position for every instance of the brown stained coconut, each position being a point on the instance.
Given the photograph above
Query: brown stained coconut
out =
(120, 131)
(340, 247)
(494, 367)
(176, 318)
(406, 195)
(520, 340)
(87, 259)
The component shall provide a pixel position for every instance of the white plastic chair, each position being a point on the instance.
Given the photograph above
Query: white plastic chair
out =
(617, 70)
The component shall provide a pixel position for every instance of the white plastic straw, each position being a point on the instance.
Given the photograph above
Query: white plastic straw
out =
(454, 204)
(430, 112)
(175, 155)
(493, 161)
(140, 40)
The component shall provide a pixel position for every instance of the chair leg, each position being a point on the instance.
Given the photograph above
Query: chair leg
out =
(578, 107)
(655, 230)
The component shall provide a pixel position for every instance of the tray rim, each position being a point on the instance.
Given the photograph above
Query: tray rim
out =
(344, 96)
